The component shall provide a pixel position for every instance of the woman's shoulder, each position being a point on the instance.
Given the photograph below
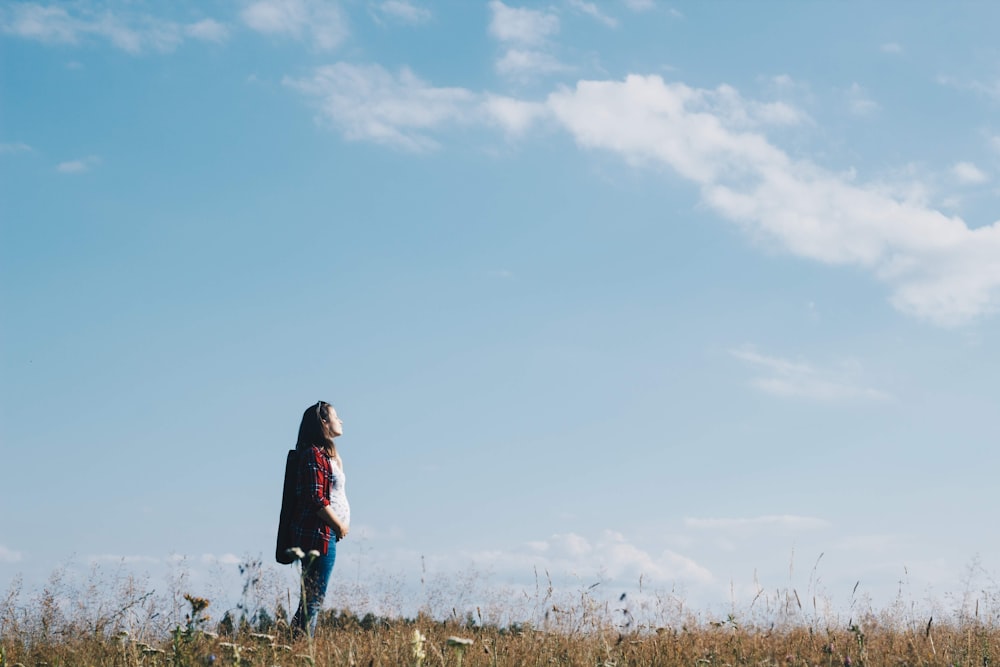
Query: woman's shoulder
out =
(314, 456)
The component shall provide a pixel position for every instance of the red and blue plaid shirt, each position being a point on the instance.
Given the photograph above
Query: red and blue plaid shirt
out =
(312, 493)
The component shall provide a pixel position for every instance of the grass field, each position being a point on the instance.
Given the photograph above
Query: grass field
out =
(121, 622)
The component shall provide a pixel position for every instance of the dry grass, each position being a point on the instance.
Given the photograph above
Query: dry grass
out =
(119, 622)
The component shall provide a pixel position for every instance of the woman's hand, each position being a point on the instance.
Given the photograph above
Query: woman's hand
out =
(329, 518)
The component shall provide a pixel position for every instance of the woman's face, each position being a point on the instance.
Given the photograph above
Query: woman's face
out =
(336, 426)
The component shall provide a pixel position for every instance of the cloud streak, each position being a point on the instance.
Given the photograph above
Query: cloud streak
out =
(404, 11)
(525, 35)
(13, 148)
(133, 34)
(78, 166)
(937, 267)
(789, 379)
(766, 522)
(321, 23)
(609, 555)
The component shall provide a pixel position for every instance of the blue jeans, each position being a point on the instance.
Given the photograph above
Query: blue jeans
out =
(315, 577)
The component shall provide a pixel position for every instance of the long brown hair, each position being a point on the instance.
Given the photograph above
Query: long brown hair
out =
(315, 428)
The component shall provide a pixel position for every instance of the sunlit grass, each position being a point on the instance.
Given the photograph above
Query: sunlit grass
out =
(119, 622)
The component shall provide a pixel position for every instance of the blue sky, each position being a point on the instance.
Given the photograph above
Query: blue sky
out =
(697, 292)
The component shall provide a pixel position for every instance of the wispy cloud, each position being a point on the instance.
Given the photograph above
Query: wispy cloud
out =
(8, 555)
(405, 11)
(222, 559)
(640, 5)
(771, 521)
(527, 62)
(321, 23)
(78, 166)
(131, 559)
(592, 10)
(969, 174)
(74, 23)
(609, 555)
(891, 47)
(208, 30)
(529, 27)
(513, 115)
(16, 147)
(858, 101)
(368, 102)
(795, 379)
(989, 89)
(525, 34)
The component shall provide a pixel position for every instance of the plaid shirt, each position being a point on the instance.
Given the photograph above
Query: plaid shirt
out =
(312, 493)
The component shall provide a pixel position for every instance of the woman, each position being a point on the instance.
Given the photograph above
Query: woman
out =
(322, 513)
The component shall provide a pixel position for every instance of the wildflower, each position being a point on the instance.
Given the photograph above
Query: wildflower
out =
(261, 637)
(459, 644)
(417, 642)
(296, 553)
(313, 553)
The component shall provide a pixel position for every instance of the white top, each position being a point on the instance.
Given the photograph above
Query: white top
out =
(338, 493)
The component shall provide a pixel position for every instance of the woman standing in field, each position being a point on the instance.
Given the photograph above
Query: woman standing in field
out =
(322, 514)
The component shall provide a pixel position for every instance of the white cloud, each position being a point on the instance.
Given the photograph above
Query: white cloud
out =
(527, 63)
(320, 22)
(16, 147)
(936, 266)
(78, 166)
(968, 173)
(891, 47)
(404, 10)
(132, 33)
(758, 523)
(9, 555)
(366, 102)
(790, 379)
(208, 30)
(525, 32)
(590, 9)
(517, 25)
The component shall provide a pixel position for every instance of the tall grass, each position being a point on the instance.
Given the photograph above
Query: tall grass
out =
(117, 619)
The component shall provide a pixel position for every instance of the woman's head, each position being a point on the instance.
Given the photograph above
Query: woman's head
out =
(320, 425)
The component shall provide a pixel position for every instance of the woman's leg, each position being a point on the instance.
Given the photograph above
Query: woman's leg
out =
(315, 577)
